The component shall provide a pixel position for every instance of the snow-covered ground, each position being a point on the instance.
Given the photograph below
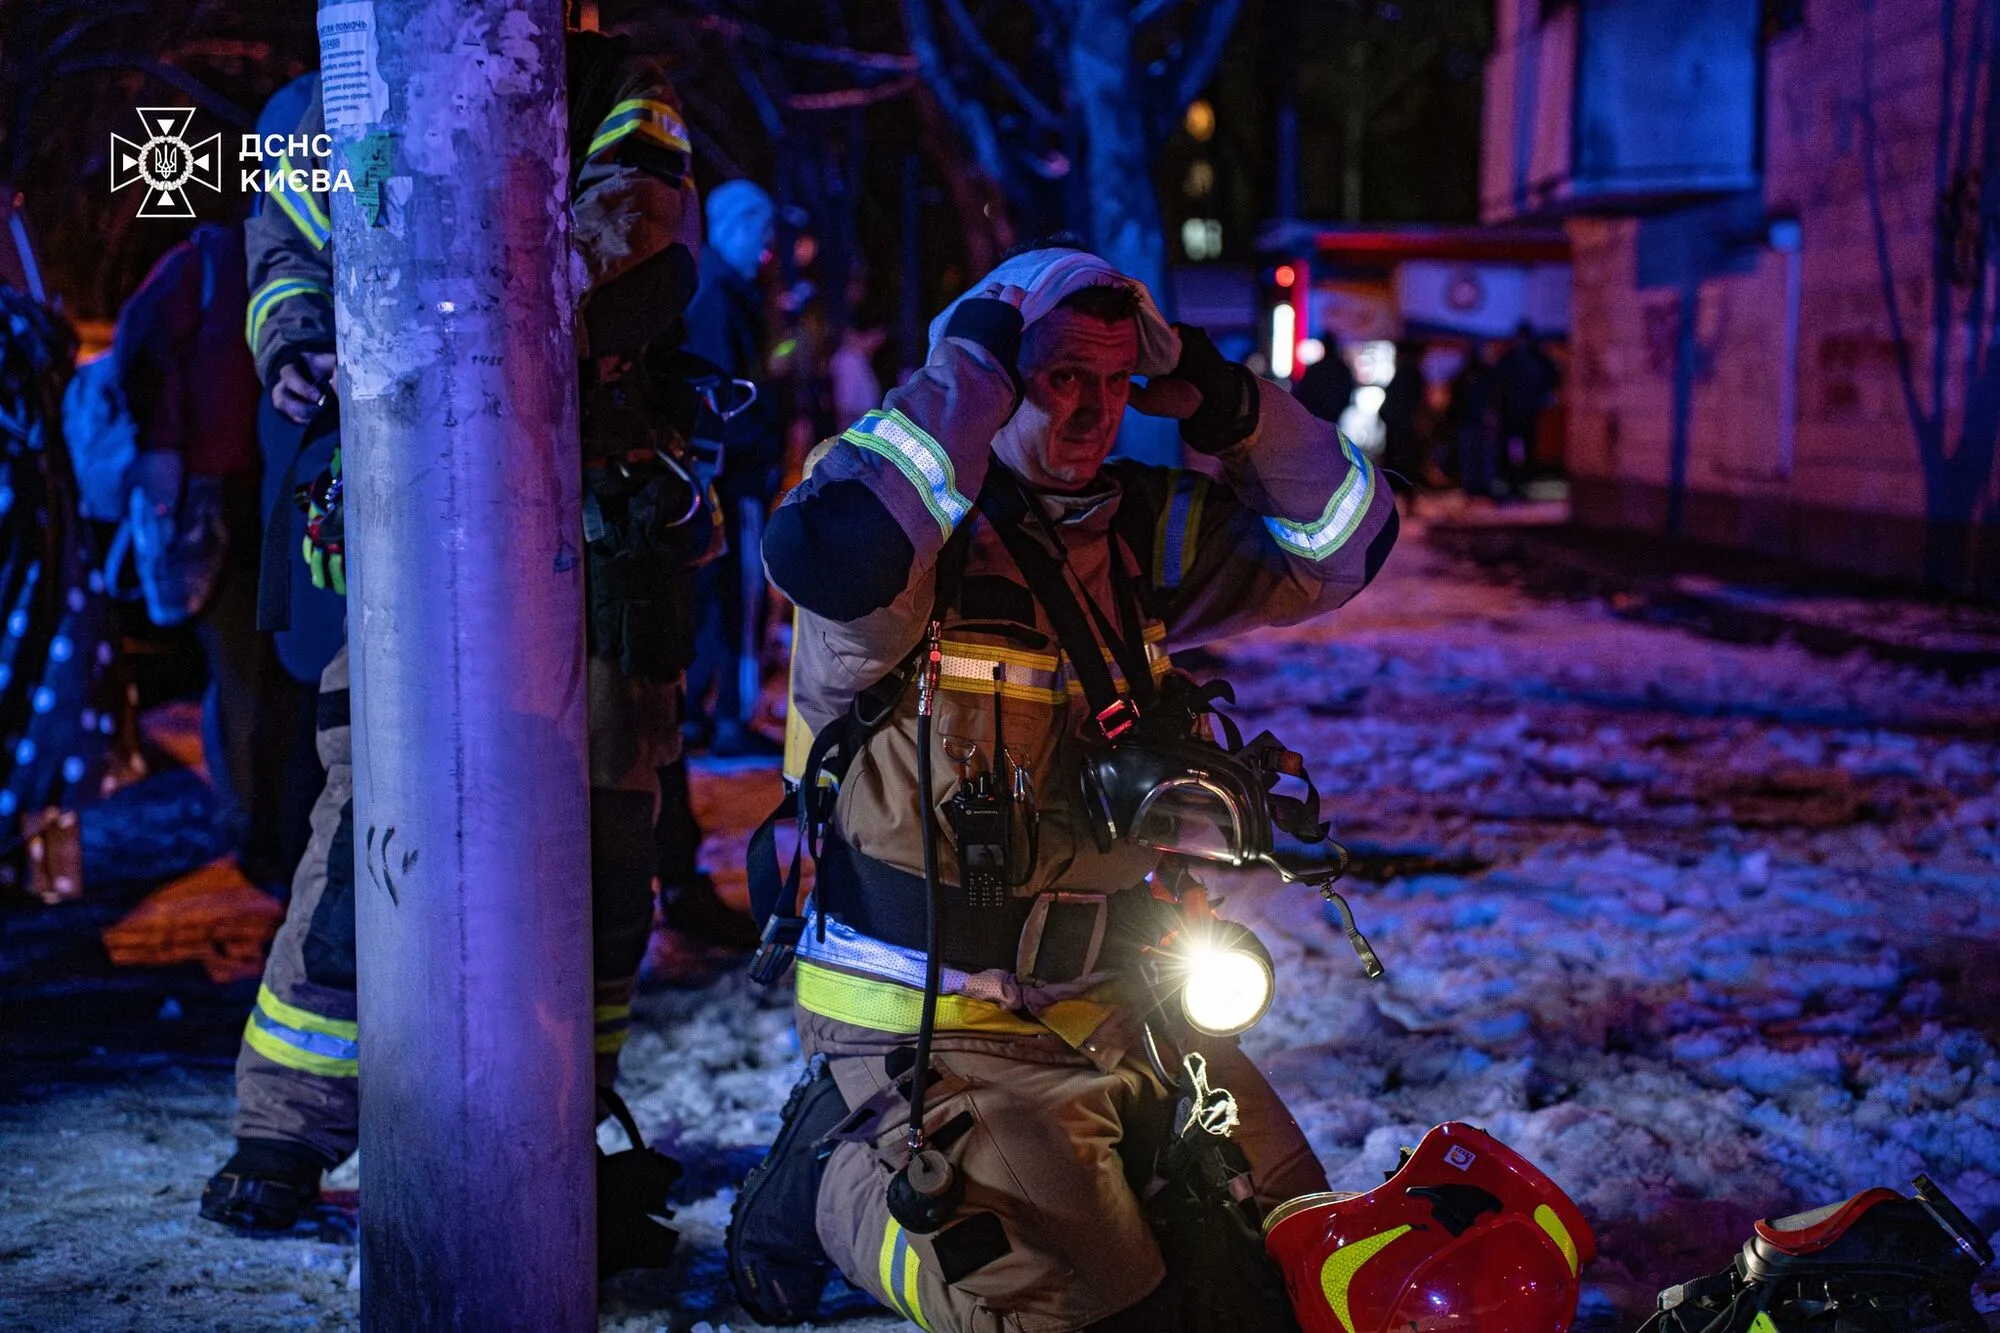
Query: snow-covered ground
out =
(1707, 931)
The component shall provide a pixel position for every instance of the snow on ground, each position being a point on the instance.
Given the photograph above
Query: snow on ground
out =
(1705, 930)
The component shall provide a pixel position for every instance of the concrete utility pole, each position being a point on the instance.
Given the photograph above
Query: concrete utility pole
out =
(465, 623)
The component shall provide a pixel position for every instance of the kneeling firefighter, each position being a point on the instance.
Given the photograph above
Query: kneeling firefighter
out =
(1005, 786)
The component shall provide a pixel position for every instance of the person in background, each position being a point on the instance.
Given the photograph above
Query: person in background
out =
(1327, 387)
(725, 326)
(307, 624)
(193, 392)
(1471, 415)
(1524, 384)
(1402, 403)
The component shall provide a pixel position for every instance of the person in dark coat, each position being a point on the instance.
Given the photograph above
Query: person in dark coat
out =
(725, 326)
(1327, 387)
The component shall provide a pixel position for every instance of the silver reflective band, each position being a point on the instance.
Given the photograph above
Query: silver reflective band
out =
(1338, 521)
(917, 456)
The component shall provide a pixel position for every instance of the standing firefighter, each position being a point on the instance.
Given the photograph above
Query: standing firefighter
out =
(635, 220)
(979, 499)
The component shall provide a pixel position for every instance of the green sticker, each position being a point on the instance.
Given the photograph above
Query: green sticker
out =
(368, 160)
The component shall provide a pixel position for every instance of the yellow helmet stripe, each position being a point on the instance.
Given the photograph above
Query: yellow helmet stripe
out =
(1546, 1219)
(1341, 1266)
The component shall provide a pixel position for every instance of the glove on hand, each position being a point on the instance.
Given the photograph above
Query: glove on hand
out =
(1229, 401)
(325, 543)
(995, 325)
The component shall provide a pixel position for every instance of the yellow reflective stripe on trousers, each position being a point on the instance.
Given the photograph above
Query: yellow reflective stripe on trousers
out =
(647, 119)
(1345, 509)
(300, 1039)
(897, 1267)
(273, 294)
(1341, 1266)
(886, 1006)
(302, 208)
(918, 457)
(613, 1023)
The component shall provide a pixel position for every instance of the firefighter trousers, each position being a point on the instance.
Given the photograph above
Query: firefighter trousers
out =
(296, 1074)
(1051, 1236)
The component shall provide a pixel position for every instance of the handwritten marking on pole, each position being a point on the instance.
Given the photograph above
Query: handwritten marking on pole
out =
(381, 874)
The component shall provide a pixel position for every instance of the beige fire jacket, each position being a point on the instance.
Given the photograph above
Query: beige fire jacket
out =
(1298, 524)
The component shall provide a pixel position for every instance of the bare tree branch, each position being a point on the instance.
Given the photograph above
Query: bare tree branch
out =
(1203, 49)
(179, 80)
(842, 99)
(967, 113)
(883, 62)
(1017, 88)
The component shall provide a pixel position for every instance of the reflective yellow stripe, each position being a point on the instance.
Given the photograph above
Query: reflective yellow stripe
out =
(273, 294)
(912, 1262)
(1545, 1217)
(277, 1051)
(302, 209)
(614, 1025)
(1175, 532)
(1341, 1266)
(1763, 1323)
(897, 1253)
(304, 1020)
(1340, 520)
(885, 1264)
(648, 119)
(886, 1006)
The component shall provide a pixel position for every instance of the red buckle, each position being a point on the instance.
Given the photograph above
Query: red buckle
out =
(1118, 719)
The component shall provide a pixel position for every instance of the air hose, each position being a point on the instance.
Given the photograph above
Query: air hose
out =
(925, 1193)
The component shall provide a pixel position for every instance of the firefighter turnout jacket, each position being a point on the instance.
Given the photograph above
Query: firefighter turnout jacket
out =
(1296, 523)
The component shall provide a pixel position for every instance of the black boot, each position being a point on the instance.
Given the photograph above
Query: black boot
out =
(632, 1186)
(776, 1262)
(264, 1186)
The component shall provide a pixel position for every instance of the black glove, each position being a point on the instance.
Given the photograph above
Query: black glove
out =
(1229, 400)
(996, 326)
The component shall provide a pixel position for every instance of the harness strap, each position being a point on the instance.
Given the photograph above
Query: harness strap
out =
(1005, 504)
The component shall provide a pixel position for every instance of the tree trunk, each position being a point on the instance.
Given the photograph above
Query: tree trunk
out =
(1126, 227)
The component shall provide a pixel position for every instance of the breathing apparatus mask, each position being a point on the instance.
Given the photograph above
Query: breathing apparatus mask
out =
(1158, 779)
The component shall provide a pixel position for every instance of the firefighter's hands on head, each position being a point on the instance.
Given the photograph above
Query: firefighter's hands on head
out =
(991, 318)
(1213, 398)
(302, 386)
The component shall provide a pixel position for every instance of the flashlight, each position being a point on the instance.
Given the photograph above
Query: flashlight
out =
(1229, 981)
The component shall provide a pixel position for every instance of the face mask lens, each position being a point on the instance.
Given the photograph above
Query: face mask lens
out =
(1228, 989)
(1188, 819)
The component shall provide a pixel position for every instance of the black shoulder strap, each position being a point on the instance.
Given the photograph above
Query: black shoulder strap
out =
(1007, 506)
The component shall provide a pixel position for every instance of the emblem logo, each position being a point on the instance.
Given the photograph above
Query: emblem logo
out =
(166, 163)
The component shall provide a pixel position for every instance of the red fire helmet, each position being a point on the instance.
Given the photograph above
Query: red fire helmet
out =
(1466, 1237)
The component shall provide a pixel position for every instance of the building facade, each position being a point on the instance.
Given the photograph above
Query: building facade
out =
(1783, 309)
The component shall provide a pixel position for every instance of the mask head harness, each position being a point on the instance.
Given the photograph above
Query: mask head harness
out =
(1151, 771)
